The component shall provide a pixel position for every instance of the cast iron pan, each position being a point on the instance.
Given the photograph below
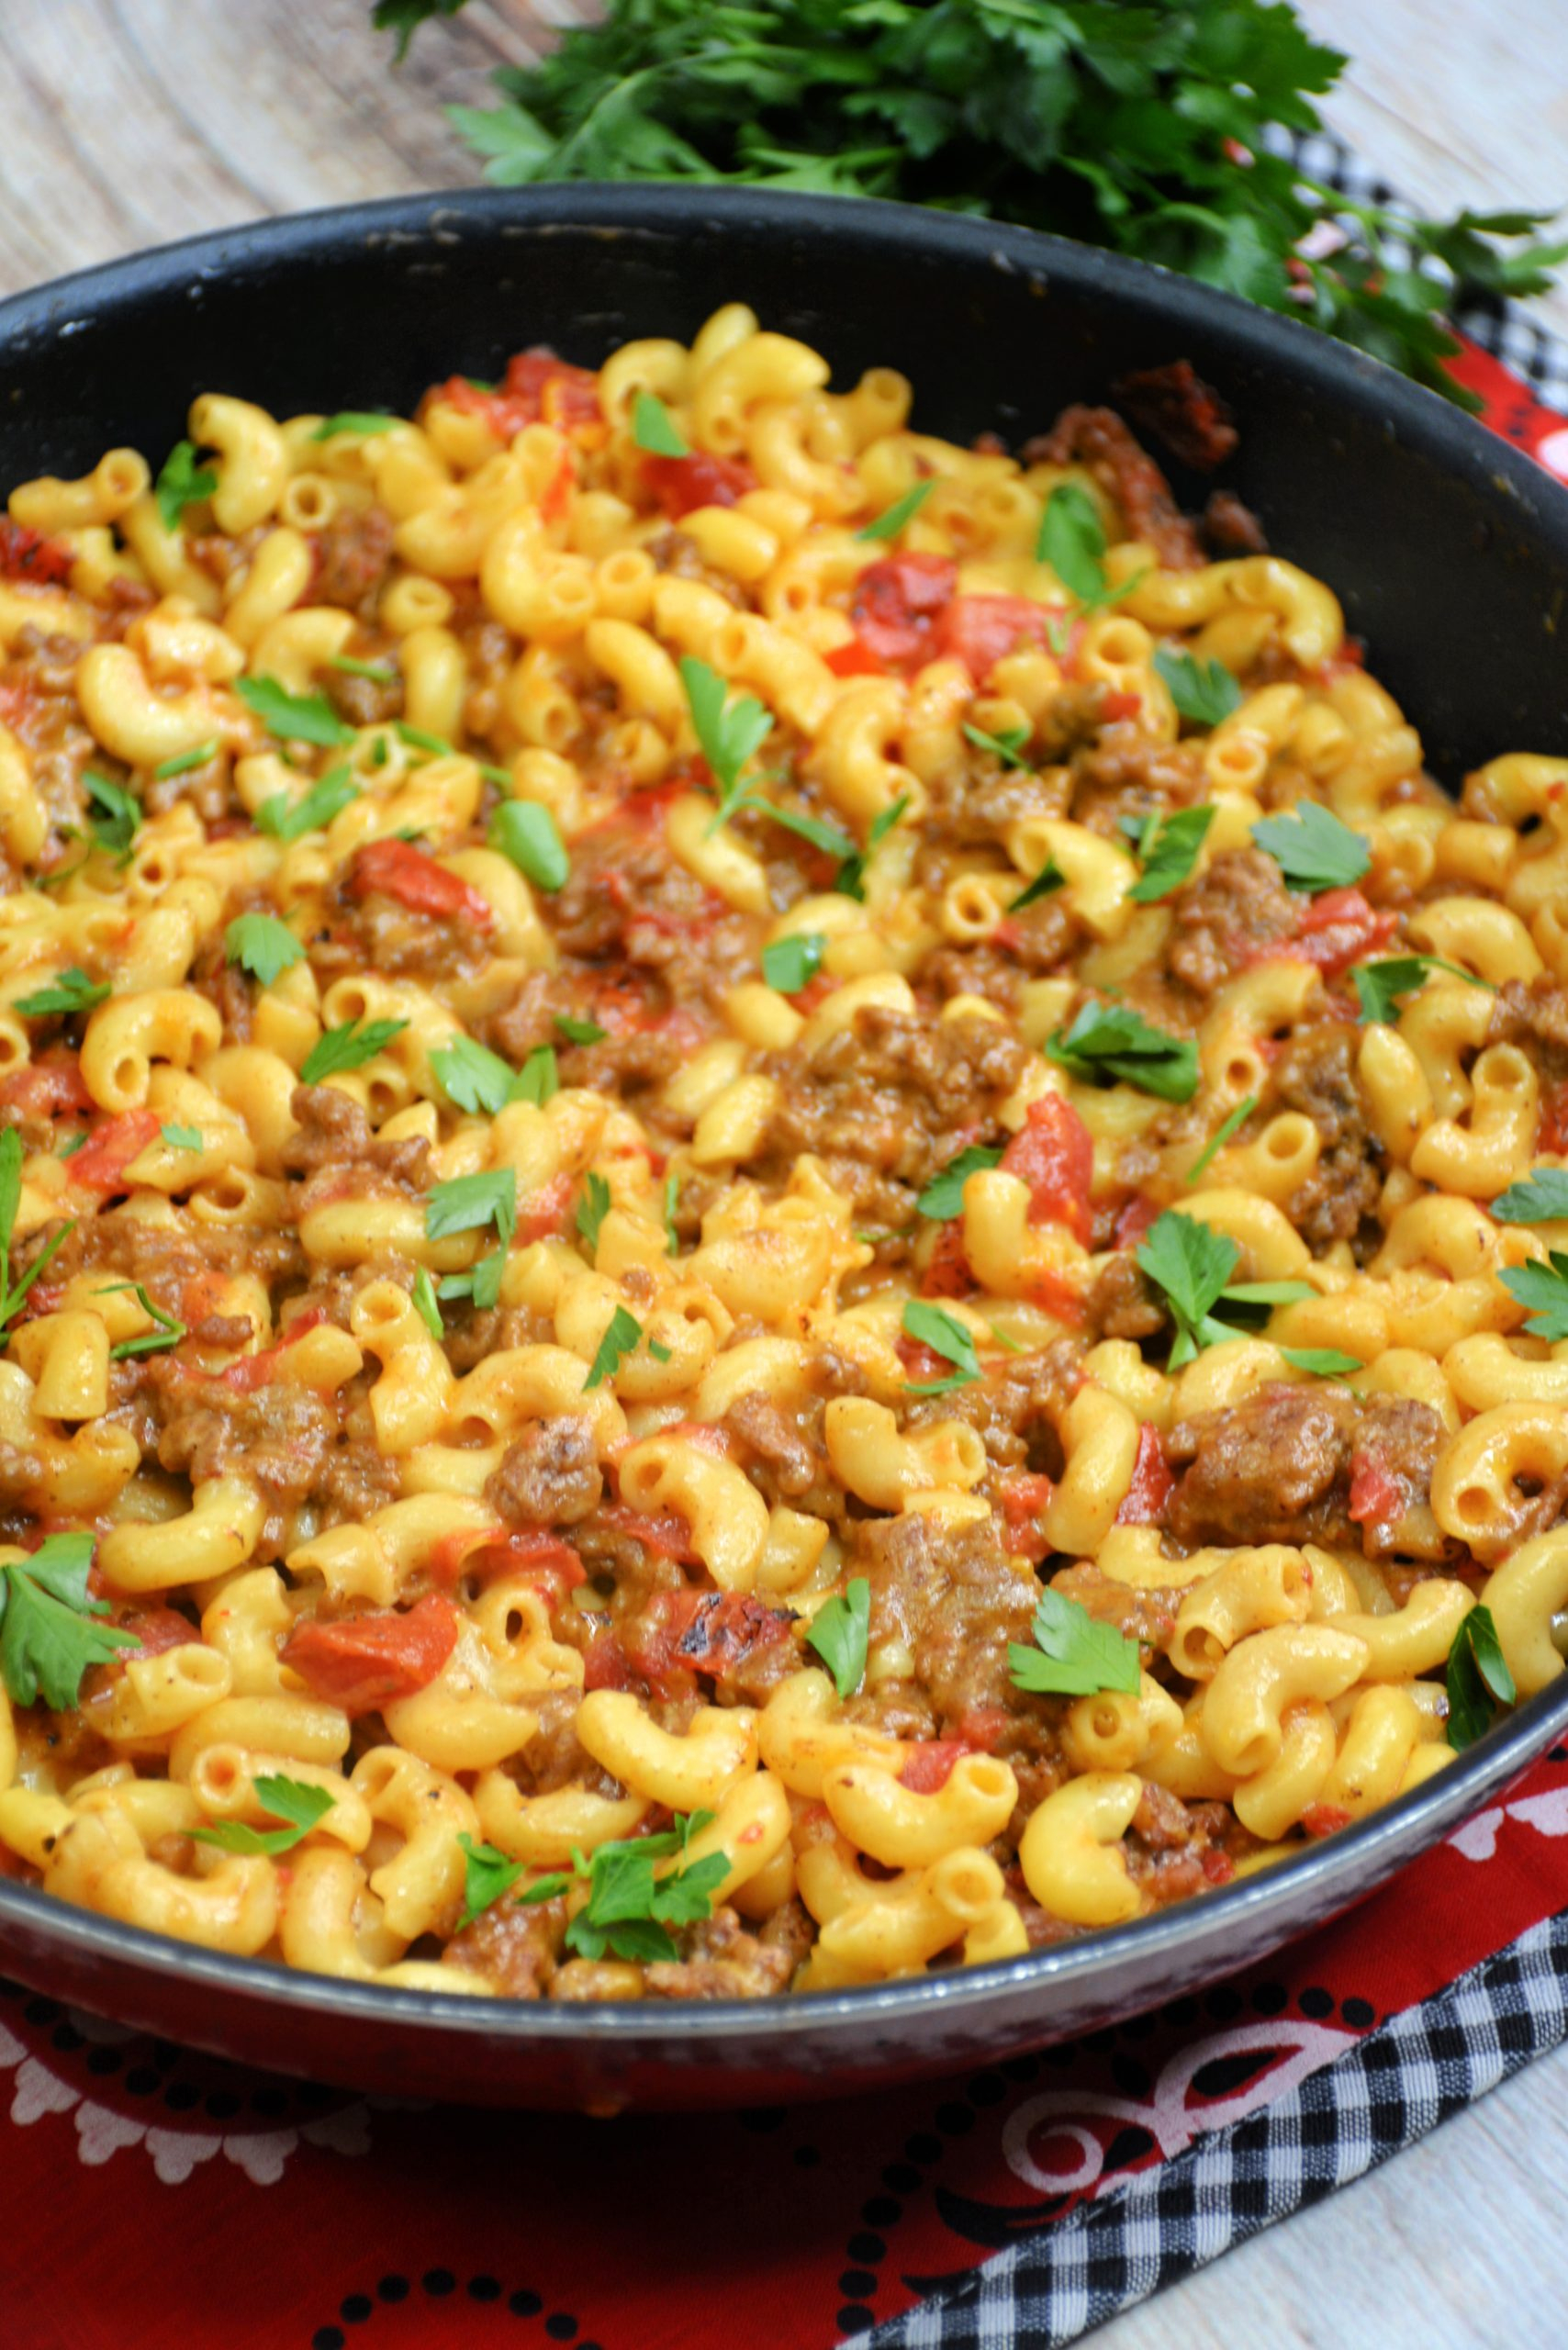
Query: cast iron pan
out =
(1451, 552)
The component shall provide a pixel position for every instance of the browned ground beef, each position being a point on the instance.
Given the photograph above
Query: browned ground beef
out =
(886, 1103)
(1122, 1303)
(1239, 906)
(517, 1947)
(1534, 1014)
(354, 554)
(333, 1134)
(1315, 1073)
(1123, 776)
(728, 1961)
(1279, 1467)
(628, 901)
(548, 1474)
(1097, 438)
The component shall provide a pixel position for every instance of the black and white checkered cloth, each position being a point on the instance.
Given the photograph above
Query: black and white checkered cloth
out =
(1394, 2085)
(1505, 329)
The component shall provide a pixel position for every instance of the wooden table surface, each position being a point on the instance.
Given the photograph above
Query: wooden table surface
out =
(125, 123)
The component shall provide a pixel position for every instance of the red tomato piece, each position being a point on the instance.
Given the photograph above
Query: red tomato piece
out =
(1054, 1294)
(366, 1662)
(251, 1371)
(712, 1633)
(928, 1765)
(854, 659)
(668, 1533)
(100, 1164)
(1117, 706)
(538, 388)
(1055, 1157)
(947, 1274)
(557, 498)
(680, 485)
(48, 1087)
(1218, 1868)
(980, 630)
(410, 875)
(1374, 1495)
(1339, 928)
(606, 1664)
(1133, 1218)
(1024, 1495)
(27, 555)
(531, 1550)
(1324, 1819)
(544, 1212)
(982, 1728)
(897, 605)
(1144, 1502)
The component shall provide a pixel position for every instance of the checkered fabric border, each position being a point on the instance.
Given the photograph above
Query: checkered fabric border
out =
(1397, 2084)
(1504, 328)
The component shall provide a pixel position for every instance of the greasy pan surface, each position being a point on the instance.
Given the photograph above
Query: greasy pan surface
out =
(1451, 554)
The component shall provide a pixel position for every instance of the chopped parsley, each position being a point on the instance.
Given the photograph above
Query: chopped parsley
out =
(72, 990)
(471, 1203)
(426, 1307)
(581, 1032)
(1050, 878)
(287, 820)
(349, 1047)
(1204, 691)
(728, 732)
(788, 964)
(184, 761)
(1111, 1041)
(114, 814)
(294, 718)
(294, 1801)
(1313, 849)
(655, 429)
(929, 1326)
(380, 673)
(471, 1075)
(539, 1078)
(943, 1197)
(1323, 1362)
(526, 831)
(1074, 1654)
(49, 1631)
(181, 483)
(1380, 985)
(1008, 747)
(355, 419)
(1477, 1673)
(1544, 1288)
(1167, 850)
(1192, 1265)
(183, 1137)
(166, 1331)
(1541, 1198)
(593, 1206)
(1220, 1136)
(482, 1286)
(13, 1293)
(622, 1338)
(839, 1632)
(1072, 541)
(903, 511)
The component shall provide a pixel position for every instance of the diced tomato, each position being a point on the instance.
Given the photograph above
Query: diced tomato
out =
(1117, 706)
(398, 870)
(447, 1555)
(639, 909)
(48, 1087)
(1133, 1218)
(680, 485)
(100, 1164)
(366, 1662)
(557, 498)
(538, 388)
(1145, 1501)
(1375, 1495)
(921, 1362)
(854, 659)
(947, 1273)
(928, 1765)
(669, 1533)
(1218, 1868)
(1055, 1157)
(712, 1633)
(544, 1212)
(982, 1728)
(1324, 1819)
(27, 555)
(981, 631)
(1054, 1294)
(897, 605)
(606, 1664)
(249, 1372)
(1339, 928)
(156, 1628)
(531, 1550)
(1553, 1133)
(1024, 1496)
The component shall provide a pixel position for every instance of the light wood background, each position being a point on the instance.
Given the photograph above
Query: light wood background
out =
(128, 122)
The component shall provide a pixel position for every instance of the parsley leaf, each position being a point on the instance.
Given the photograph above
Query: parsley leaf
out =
(48, 1633)
(166, 1333)
(1191, 1264)
(183, 1137)
(470, 1202)
(903, 511)
(182, 762)
(1544, 1288)
(114, 815)
(287, 820)
(1111, 1041)
(263, 945)
(1323, 1362)
(581, 1032)
(380, 673)
(1541, 1198)
(539, 1078)
(850, 879)
(789, 963)
(71, 991)
(672, 1209)
(728, 732)
(355, 419)
(11, 1295)
(181, 483)
(943, 1197)
(482, 1286)
(839, 1632)
(1313, 849)
(1074, 1655)
(1008, 747)
(425, 1304)
(1220, 1136)
(487, 1874)
(947, 1336)
(1202, 691)
(629, 1910)
(655, 429)
(349, 1047)
(526, 831)
(475, 1079)
(294, 1800)
(1380, 985)
(1050, 877)
(1072, 540)
(621, 1339)
(294, 718)
(1168, 851)
(1477, 1672)
(592, 1208)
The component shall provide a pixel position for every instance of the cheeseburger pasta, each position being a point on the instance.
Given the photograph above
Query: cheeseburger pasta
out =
(776, 1203)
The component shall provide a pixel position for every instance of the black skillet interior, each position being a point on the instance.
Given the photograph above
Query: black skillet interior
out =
(1451, 553)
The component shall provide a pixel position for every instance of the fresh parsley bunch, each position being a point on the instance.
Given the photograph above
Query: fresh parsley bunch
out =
(1144, 125)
